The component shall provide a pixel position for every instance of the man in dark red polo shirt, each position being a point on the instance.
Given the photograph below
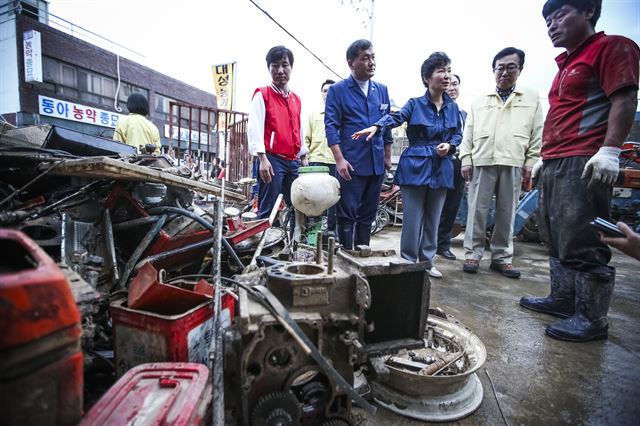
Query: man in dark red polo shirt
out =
(593, 101)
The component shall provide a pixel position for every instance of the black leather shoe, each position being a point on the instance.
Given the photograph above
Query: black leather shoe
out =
(505, 269)
(446, 254)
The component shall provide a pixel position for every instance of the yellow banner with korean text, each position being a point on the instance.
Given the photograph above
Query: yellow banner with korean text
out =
(223, 78)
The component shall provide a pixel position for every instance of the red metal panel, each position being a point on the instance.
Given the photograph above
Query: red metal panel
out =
(148, 294)
(176, 394)
(251, 228)
(142, 336)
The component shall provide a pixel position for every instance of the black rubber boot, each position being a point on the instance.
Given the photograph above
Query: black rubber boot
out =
(593, 294)
(345, 235)
(363, 235)
(561, 301)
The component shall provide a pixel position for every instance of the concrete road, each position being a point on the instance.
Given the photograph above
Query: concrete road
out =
(538, 380)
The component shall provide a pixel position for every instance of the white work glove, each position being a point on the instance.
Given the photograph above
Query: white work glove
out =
(603, 167)
(536, 168)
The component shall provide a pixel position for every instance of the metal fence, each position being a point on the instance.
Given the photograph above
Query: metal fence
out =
(197, 134)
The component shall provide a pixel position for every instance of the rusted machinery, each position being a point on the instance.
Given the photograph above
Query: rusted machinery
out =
(303, 328)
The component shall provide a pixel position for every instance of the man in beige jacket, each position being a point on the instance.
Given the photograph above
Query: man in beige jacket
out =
(500, 146)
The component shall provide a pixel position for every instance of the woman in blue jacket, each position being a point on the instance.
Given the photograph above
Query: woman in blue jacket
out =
(425, 169)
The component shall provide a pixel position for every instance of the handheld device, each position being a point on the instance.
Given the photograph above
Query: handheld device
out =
(607, 228)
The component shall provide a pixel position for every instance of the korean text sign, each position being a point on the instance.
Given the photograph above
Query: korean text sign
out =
(75, 112)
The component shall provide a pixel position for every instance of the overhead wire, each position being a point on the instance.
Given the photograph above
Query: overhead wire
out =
(296, 39)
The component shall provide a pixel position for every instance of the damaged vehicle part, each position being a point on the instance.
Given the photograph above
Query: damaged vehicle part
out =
(264, 359)
(443, 391)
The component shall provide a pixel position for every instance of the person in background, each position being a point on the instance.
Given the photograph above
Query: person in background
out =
(500, 146)
(215, 169)
(274, 132)
(354, 104)
(593, 101)
(135, 129)
(454, 196)
(319, 152)
(222, 172)
(425, 169)
(629, 244)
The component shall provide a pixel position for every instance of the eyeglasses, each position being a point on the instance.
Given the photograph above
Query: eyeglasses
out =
(510, 68)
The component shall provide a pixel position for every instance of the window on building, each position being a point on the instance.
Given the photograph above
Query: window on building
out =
(68, 76)
(50, 70)
(86, 86)
(29, 10)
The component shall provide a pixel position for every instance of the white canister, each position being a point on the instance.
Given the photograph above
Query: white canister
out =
(314, 191)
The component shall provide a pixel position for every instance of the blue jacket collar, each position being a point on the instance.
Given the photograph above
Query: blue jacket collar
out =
(427, 100)
(354, 84)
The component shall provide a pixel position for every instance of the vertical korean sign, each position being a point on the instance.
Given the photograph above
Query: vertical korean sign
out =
(32, 52)
(223, 78)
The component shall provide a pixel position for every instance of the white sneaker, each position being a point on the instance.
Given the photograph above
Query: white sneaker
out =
(433, 272)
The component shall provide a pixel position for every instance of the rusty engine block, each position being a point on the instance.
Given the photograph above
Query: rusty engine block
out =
(368, 305)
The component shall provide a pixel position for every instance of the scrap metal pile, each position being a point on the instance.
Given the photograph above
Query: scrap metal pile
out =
(139, 243)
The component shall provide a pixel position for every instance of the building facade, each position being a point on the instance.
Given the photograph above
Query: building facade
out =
(50, 77)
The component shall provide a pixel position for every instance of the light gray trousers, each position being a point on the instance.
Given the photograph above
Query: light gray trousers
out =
(421, 207)
(505, 182)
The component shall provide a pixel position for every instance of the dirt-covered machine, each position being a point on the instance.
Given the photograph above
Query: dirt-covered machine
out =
(304, 328)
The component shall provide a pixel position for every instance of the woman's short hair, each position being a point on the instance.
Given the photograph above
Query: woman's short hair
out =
(435, 60)
(138, 104)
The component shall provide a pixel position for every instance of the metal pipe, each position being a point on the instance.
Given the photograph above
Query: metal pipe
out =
(216, 249)
(134, 223)
(209, 163)
(319, 248)
(170, 253)
(216, 351)
(189, 135)
(201, 221)
(179, 128)
(151, 234)
(109, 240)
(199, 132)
(171, 130)
(332, 243)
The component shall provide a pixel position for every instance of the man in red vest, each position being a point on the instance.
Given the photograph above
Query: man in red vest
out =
(274, 132)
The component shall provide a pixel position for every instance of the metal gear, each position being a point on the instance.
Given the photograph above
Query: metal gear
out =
(278, 417)
(336, 422)
(276, 409)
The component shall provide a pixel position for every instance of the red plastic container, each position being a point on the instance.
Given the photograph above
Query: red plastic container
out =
(40, 358)
(142, 337)
(174, 394)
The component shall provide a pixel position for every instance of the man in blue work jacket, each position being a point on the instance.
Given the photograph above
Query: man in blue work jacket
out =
(354, 104)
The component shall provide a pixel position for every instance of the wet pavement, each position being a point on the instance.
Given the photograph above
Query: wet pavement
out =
(538, 380)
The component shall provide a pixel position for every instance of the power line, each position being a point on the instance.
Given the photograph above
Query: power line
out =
(293, 37)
